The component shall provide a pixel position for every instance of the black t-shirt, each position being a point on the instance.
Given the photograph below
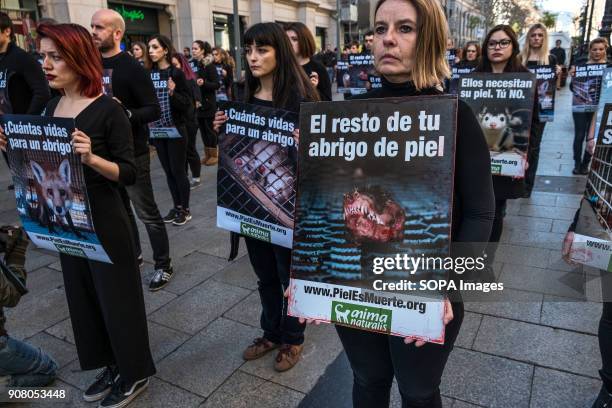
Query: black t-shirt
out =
(106, 124)
(324, 87)
(552, 60)
(473, 203)
(132, 85)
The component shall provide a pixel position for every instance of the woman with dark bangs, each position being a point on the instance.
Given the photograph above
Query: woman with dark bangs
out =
(273, 79)
(105, 300)
(179, 61)
(304, 48)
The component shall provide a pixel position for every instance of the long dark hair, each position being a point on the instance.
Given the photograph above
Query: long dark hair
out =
(513, 64)
(165, 44)
(291, 85)
(185, 67)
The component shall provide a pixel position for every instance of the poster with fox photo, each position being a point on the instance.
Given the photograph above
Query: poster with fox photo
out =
(5, 102)
(546, 77)
(360, 67)
(342, 75)
(605, 97)
(503, 105)
(50, 187)
(457, 72)
(163, 128)
(257, 171)
(592, 243)
(375, 182)
(586, 86)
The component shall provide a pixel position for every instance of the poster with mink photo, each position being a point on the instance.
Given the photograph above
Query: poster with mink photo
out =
(592, 243)
(503, 105)
(50, 188)
(375, 182)
(256, 175)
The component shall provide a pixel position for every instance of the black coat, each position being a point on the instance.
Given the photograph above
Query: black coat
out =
(208, 90)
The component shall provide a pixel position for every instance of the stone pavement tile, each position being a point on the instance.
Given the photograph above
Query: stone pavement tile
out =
(555, 389)
(522, 255)
(55, 265)
(486, 380)
(511, 304)
(566, 170)
(321, 347)
(539, 198)
(541, 280)
(62, 352)
(542, 211)
(37, 258)
(536, 239)
(191, 312)
(219, 245)
(43, 280)
(160, 394)
(569, 201)
(242, 390)
(544, 346)
(396, 399)
(469, 329)
(164, 340)
(247, 312)
(462, 404)
(35, 314)
(155, 300)
(561, 225)
(62, 330)
(238, 273)
(529, 223)
(189, 271)
(73, 375)
(205, 362)
(571, 315)
(73, 398)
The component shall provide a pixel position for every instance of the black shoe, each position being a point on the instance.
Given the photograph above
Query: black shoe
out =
(172, 214)
(140, 261)
(527, 194)
(182, 218)
(195, 183)
(11, 187)
(576, 170)
(160, 279)
(584, 169)
(122, 394)
(103, 384)
(604, 400)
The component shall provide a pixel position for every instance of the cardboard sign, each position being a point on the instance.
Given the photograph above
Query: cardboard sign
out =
(593, 235)
(50, 187)
(503, 105)
(164, 128)
(547, 86)
(375, 182)
(256, 176)
(586, 87)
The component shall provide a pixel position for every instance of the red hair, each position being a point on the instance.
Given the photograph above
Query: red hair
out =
(76, 47)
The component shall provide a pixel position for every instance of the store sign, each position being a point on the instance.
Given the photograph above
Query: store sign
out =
(132, 15)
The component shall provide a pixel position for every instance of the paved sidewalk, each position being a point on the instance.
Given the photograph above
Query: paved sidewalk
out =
(535, 353)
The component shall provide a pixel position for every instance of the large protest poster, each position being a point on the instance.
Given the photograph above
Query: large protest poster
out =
(546, 77)
(50, 187)
(457, 72)
(503, 105)
(360, 68)
(5, 102)
(586, 86)
(222, 91)
(256, 176)
(605, 97)
(375, 184)
(107, 82)
(593, 235)
(342, 75)
(163, 128)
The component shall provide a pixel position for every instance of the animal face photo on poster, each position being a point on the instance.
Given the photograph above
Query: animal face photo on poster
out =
(504, 130)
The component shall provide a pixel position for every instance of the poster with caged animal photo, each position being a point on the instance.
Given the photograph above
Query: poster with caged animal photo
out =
(503, 105)
(50, 186)
(257, 171)
(375, 182)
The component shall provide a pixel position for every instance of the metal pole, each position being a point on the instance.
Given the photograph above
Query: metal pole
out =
(338, 47)
(237, 45)
(588, 39)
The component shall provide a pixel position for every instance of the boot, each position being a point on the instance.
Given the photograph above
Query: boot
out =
(205, 156)
(214, 156)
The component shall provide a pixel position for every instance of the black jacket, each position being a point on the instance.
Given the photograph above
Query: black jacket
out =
(28, 90)
(208, 90)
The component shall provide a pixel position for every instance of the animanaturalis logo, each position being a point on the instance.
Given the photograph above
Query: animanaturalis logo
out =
(70, 250)
(372, 318)
(255, 232)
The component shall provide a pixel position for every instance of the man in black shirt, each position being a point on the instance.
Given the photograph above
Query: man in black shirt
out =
(559, 53)
(131, 86)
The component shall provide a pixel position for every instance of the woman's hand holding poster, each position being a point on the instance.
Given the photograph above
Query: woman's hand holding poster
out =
(256, 176)
(49, 185)
(503, 104)
(375, 197)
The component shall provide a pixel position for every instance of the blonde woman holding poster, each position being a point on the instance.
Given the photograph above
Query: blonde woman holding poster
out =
(409, 51)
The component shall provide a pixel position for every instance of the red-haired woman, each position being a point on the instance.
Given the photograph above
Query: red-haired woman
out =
(105, 300)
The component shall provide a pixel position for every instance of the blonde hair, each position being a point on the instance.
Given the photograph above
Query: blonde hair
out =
(430, 66)
(543, 54)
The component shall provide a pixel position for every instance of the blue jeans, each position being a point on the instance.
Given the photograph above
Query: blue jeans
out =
(26, 365)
